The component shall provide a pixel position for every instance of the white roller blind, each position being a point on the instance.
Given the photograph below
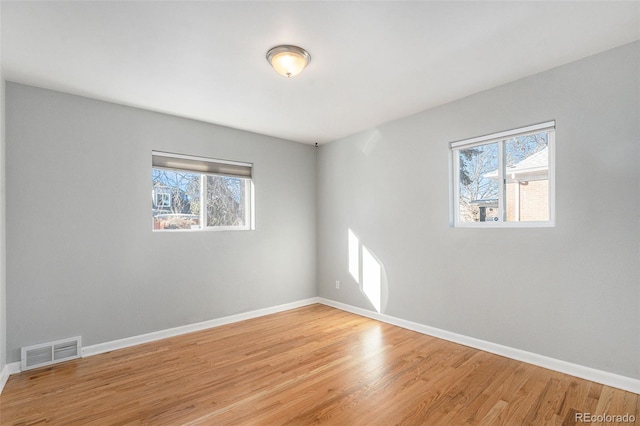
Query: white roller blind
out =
(481, 140)
(167, 160)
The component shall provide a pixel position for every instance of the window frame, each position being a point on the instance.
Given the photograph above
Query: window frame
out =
(165, 197)
(200, 166)
(500, 138)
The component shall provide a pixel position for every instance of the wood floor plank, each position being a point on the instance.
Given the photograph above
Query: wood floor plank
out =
(551, 401)
(312, 365)
(575, 395)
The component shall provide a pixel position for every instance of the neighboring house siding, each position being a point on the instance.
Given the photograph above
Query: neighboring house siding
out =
(527, 201)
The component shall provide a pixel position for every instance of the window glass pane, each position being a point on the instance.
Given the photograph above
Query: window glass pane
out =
(226, 201)
(527, 178)
(175, 199)
(478, 182)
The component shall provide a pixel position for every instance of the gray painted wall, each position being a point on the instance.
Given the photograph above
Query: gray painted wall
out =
(571, 292)
(82, 259)
(3, 303)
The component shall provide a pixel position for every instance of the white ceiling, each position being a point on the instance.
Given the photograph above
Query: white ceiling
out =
(371, 62)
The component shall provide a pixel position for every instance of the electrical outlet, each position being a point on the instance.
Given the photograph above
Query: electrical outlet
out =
(338, 284)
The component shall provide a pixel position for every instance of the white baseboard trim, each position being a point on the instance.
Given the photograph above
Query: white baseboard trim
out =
(171, 332)
(588, 373)
(9, 369)
(4, 376)
(15, 367)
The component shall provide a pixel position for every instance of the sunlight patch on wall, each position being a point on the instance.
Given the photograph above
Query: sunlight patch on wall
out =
(372, 137)
(371, 278)
(354, 256)
(367, 271)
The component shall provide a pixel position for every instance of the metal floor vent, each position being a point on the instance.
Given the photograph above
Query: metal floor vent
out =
(50, 353)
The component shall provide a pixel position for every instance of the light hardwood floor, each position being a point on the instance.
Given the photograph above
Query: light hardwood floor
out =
(305, 366)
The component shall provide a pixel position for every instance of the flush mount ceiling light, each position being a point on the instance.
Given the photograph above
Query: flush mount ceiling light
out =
(288, 60)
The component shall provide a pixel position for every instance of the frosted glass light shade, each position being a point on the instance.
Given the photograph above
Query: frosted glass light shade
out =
(288, 60)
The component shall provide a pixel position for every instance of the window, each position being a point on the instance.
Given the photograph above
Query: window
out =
(163, 199)
(505, 179)
(199, 193)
